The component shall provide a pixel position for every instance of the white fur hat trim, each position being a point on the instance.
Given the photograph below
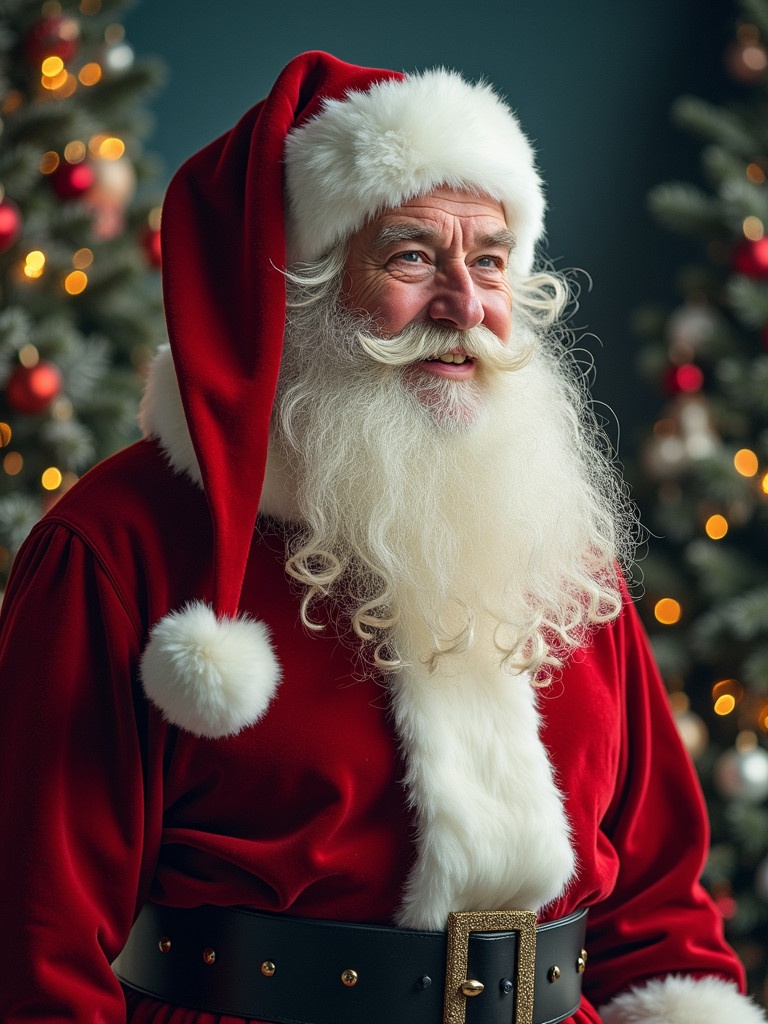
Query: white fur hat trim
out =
(374, 150)
(209, 676)
(682, 1000)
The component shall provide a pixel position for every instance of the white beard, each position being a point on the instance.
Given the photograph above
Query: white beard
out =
(456, 514)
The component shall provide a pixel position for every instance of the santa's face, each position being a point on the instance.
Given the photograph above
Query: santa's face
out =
(438, 259)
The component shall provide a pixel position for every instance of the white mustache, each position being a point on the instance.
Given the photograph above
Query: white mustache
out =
(428, 341)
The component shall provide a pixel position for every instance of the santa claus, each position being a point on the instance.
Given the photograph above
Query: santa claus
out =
(344, 713)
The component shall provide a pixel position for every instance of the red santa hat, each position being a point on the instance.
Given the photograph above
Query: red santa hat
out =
(330, 147)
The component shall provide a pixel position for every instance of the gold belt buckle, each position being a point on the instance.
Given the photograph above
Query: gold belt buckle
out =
(458, 986)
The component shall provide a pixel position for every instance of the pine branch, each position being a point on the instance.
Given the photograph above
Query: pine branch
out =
(748, 299)
(686, 209)
(717, 124)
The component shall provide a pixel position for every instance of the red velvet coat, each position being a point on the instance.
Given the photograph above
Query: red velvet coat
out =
(104, 804)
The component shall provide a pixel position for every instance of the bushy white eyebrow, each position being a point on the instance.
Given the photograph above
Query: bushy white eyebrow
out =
(393, 234)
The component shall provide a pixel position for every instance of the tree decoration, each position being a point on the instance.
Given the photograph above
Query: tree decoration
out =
(702, 481)
(81, 309)
(10, 224)
(72, 181)
(751, 258)
(31, 389)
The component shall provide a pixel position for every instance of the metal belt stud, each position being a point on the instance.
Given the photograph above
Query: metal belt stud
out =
(349, 978)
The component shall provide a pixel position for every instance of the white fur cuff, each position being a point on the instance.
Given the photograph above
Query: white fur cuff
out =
(211, 677)
(683, 1000)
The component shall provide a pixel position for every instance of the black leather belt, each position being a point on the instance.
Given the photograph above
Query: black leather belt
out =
(488, 967)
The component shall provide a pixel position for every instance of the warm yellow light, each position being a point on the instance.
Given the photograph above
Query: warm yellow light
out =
(76, 282)
(54, 82)
(74, 151)
(83, 258)
(13, 463)
(716, 527)
(51, 478)
(764, 483)
(5, 434)
(753, 228)
(34, 264)
(52, 66)
(667, 611)
(111, 148)
(49, 162)
(755, 173)
(746, 462)
(29, 356)
(90, 74)
(724, 705)
(90, 6)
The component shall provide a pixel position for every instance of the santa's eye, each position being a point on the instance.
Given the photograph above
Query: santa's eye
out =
(490, 262)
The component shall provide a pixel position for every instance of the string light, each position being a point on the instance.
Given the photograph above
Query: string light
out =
(5, 435)
(667, 611)
(83, 258)
(74, 151)
(90, 74)
(745, 462)
(726, 694)
(52, 67)
(29, 356)
(75, 282)
(49, 162)
(755, 173)
(13, 463)
(764, 483)
(111, 148)
(51, 479)
(716, 527)
(34, 264)
(753, 228)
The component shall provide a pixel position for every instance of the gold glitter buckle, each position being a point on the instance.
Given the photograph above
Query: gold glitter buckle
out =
(457, 984)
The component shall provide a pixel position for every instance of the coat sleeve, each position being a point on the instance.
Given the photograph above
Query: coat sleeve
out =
(657, 952)
(71, 801)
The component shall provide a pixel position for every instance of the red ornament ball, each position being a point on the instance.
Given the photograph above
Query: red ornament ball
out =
(151, 244)
(72, 181)
(685, 379)
(55, 36)
(10, 224)
(751, 258)
(31, 389)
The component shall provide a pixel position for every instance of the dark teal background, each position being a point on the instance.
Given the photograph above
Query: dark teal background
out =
(592, 82)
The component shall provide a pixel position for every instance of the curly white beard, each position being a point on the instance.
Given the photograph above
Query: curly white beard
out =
(443, 516)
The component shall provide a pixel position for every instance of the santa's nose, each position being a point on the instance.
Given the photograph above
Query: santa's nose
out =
(455, 302)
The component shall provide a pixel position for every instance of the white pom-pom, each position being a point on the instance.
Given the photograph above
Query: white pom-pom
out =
(682, 1000)
(211, 677)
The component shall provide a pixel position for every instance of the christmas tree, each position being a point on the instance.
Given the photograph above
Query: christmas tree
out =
(702, 480)
(80, 308)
